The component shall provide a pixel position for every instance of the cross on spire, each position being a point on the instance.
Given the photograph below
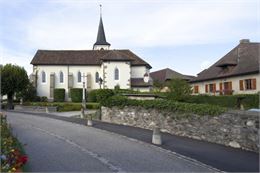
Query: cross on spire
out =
(100, 5)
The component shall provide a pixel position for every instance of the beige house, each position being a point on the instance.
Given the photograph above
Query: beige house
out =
(235, 73)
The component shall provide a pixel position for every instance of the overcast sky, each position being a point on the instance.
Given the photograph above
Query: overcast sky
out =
(186, 36)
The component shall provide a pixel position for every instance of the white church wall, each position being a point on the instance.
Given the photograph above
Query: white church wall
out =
(124, 74)
(138, 71)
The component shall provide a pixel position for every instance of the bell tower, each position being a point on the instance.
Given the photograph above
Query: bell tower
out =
(101, 43)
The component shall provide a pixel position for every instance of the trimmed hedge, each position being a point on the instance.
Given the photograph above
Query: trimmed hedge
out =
(103, 94)
(200, 109)
(249, 101)
(59, 94)
(76, 94)
(64, 107)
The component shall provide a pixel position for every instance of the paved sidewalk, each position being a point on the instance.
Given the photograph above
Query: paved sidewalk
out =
(218, 156)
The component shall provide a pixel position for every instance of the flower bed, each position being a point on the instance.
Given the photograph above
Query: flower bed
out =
(13, 158)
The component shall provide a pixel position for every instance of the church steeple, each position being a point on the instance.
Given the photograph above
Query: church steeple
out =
(101, 42)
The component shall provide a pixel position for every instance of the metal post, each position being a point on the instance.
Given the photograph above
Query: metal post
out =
(83, 96)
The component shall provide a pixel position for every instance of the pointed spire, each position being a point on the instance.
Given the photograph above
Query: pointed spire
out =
(101, 37)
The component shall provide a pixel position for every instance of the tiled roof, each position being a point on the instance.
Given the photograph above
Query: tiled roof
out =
(139, 82)
(167, 74)
(241, 60)
(85, 57)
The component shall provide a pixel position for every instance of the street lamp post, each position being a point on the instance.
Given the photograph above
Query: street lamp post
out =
(83, 96)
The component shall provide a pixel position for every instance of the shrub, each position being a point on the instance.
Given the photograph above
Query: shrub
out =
(103, 94)
(179, 89)
(28, 94)
(92, 105)
(200, 109)
(230, 101)
(76, 94)
(43, 99)
(92, 96)
(59, 94)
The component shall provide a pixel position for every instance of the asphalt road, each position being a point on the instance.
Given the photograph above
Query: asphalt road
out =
(54, 145)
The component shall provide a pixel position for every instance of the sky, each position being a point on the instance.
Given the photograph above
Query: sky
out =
(184, 35)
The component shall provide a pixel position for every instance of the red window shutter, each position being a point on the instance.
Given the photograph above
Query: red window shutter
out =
(214, 87)
(253, 84)
(230, 86)
(196, 89)
(220, 86)
(206, 88)
(241, 84)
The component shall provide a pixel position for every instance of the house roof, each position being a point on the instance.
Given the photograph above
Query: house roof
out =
(241, 60)
(167, 74)
(139, 82)
(101, 37)
(85, 57)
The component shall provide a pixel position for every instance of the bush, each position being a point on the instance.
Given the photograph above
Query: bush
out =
(200, 109)
(28, 94)
(92, 105)
(103, 94)
(43, 99)
(179, 89)
(76, 94)
(230, 101)
(92, 96)
(59, 94)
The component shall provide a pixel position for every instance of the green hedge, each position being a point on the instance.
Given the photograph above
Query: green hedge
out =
(59, 94)
(200, 109)
(64, 107)
(249, 101)
(76, 94)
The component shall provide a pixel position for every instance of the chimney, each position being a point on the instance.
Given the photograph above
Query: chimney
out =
(244, 41)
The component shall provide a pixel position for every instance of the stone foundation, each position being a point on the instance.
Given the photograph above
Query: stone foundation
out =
(239, 129)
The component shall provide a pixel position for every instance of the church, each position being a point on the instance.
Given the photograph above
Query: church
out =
(99, 68)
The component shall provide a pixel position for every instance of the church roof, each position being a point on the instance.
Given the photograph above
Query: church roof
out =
(101, 37)
(85, 57)
(241, 60)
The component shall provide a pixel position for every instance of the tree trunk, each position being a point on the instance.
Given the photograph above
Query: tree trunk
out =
(10, 101)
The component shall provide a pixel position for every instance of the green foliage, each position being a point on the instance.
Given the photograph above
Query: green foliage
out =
(59, 94)
(179, 89)
(229, 101)
(64, 106)
(103, 94)
(92, 96)
(76, 94)
(13, 79)
(28, 94)
(173, 106)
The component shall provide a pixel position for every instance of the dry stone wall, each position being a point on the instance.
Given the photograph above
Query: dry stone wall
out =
(239, 129)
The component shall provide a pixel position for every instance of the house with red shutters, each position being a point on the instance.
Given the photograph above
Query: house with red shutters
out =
(235, 73)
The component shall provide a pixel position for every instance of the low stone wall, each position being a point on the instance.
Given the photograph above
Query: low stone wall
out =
(238, 129)
(35, 108)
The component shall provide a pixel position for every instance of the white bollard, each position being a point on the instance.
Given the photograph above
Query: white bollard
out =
(82, 113)
(47, 110)
(90, 123)
(157, 139)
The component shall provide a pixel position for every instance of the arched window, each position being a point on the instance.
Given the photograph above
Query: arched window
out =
(79, 77)
(97, 77)
(43, 77)
(61, 77)
(116, 74)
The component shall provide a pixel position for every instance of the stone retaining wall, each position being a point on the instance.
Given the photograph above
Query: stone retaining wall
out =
(239, 129)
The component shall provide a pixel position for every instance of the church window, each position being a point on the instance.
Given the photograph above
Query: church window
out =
(97, 77)
(79, 77)
(116, 74)
(43, 77)
(61, 77)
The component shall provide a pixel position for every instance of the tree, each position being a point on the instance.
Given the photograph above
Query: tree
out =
(179, 89)
(13, 79)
